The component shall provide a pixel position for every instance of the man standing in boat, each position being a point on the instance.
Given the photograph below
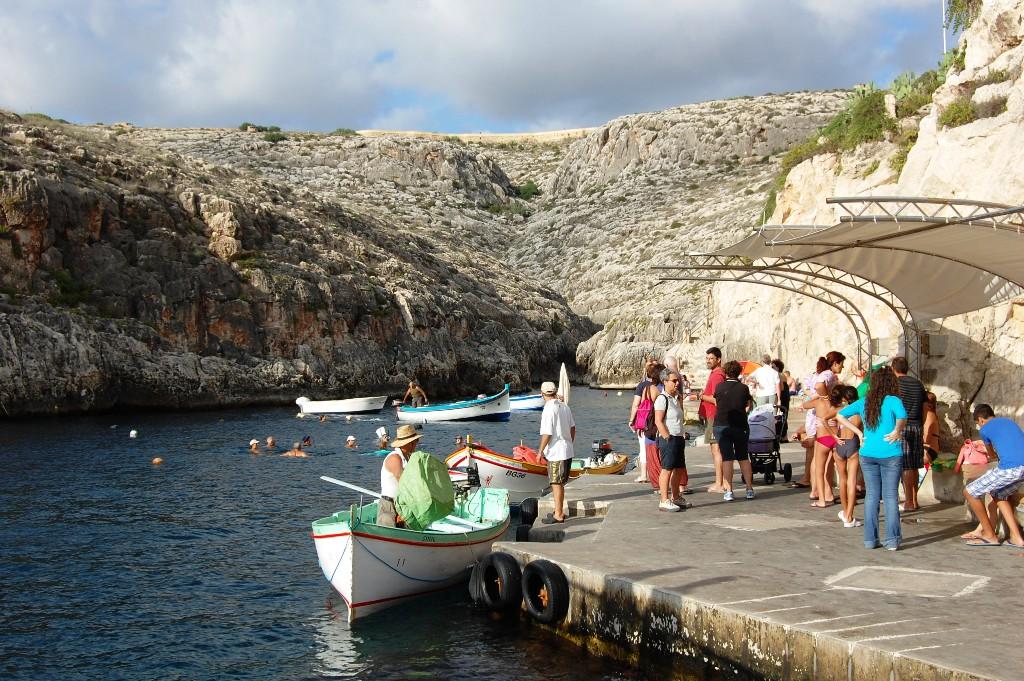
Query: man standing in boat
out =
(557, 433)
(391, 471)
(416, 393)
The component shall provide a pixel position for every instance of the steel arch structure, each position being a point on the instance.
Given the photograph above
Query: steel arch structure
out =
(740, 269)
(794, 282)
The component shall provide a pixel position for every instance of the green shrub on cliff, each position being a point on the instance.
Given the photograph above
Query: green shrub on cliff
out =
(960, 14)
(71, 292)
(960, 112)
(528, 190)
(274, 137)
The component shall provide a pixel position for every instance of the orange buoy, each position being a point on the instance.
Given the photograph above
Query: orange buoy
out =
(157, 461)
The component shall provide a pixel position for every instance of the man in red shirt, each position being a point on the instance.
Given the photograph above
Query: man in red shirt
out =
(707, 410)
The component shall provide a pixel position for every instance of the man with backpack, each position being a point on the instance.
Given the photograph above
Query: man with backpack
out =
(668, 417)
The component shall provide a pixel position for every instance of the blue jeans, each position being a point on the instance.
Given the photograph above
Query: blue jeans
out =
(882, 482)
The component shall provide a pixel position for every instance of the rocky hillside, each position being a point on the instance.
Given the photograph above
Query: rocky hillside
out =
(645, 188)
(963, 144)
(199, 268)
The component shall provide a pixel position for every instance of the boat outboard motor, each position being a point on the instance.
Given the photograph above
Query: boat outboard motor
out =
(472, 474)
(602, 446)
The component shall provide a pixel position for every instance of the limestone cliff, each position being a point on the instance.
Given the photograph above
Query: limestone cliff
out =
(976, 160)
(201, 268)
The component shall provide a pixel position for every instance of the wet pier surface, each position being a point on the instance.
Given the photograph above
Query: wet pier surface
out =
(780, 589)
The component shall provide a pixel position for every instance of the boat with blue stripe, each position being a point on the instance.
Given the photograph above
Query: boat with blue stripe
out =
(534, 402)
(487, 408)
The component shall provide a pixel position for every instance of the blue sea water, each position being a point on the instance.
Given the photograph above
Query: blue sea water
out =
(203, 568)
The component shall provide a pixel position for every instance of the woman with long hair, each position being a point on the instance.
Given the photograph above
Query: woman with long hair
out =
(881, 454)
(818, 458)
(655, 387)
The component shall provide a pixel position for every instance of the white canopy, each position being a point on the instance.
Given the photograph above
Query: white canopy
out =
(938, 263)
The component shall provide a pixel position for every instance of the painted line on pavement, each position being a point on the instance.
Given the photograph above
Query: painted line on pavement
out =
(766, 598)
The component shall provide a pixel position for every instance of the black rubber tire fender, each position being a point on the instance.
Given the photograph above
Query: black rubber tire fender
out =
(528, 510)
(545, 592)
(499, 582)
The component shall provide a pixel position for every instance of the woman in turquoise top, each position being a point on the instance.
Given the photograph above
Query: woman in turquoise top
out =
(881, 453)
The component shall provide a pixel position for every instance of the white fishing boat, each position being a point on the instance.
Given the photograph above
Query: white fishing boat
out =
(375, 567)
(355, 405)
(526, 402)
(521, 474)
(488, 408)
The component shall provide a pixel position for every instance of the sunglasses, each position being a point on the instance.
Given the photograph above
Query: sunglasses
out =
(671, 380)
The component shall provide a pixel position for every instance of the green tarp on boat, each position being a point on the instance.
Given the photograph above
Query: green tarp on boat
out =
(425, 491)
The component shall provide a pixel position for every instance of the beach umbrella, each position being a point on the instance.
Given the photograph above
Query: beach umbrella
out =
(749, 367)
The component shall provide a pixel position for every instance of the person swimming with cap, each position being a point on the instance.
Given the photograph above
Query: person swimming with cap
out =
(350, 442)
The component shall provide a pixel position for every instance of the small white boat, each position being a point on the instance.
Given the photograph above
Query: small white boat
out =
(526, 402)
(375, 567)
(492, 408)
(356, 405)
(523, 476)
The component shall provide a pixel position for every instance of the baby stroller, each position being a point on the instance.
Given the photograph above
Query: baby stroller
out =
(763, 447)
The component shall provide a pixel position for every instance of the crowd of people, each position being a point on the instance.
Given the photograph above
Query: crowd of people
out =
(866, 440)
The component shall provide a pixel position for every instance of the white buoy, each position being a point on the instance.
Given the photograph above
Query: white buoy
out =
(619, 393)
(134, 434)
(349, 417)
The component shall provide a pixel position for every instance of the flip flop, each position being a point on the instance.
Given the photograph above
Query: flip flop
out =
(982, 543)
(819, 507)
(1011, 545)
(798, 485)
(550, 519)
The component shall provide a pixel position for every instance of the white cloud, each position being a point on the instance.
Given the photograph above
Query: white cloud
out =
(525, 64)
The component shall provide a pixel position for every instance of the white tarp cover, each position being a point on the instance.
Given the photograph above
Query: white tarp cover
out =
(941, 271)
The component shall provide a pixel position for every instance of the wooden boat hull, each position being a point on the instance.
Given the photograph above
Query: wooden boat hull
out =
(527, 402)
(374, 568)
(521, 478)
(356, 405)
(492, 408)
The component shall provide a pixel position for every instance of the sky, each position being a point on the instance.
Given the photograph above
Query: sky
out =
(442, 65)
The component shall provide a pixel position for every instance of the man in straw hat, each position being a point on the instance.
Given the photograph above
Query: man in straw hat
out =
(391, 471)
(557, 433)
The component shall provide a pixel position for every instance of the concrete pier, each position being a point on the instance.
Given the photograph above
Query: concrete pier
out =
(779, 589)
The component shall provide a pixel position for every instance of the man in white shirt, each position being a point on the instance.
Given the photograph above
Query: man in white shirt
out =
(769, 385)
(557, 433)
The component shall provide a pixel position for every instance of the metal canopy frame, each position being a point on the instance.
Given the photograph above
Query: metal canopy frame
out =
(807, 274)
(712, 268)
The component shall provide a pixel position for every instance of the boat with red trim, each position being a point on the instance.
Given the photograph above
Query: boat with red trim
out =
(375, 567)
(523, 474)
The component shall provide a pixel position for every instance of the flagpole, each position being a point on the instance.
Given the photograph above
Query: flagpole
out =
(943, 4)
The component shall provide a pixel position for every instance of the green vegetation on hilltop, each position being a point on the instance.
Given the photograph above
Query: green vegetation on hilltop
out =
(258, 128)
(865, 119)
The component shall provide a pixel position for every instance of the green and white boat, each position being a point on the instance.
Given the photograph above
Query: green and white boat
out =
(375, 567)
